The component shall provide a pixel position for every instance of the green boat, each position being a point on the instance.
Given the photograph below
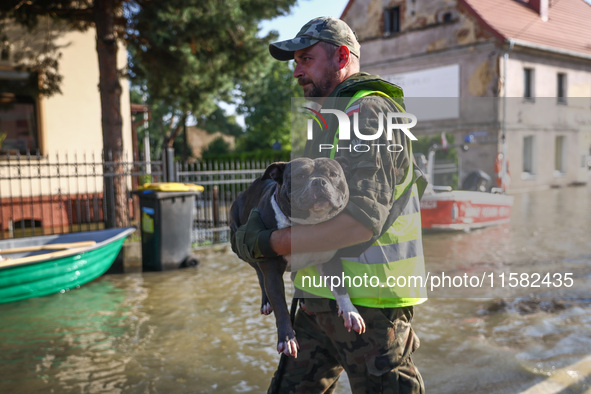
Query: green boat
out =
(43, 265)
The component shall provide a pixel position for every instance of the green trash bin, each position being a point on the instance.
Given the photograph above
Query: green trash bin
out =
(166, 221)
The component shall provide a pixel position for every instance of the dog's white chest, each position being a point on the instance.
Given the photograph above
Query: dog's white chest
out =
(282, 220)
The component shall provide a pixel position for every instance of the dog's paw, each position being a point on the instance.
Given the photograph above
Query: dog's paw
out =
(266, 309)
(353, 321)
(289, 347)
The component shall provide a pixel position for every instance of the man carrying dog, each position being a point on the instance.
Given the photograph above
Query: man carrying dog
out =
(380, 228)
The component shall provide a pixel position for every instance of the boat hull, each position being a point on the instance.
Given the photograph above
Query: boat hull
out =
(464, 210)
(59, 274)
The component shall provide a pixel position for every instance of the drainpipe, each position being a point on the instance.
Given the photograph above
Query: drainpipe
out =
(504, 132)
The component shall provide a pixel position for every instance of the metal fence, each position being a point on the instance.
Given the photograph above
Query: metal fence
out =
(65, 193)
(222, 182)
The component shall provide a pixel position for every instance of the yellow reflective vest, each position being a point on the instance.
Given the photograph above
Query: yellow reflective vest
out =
(391, 272)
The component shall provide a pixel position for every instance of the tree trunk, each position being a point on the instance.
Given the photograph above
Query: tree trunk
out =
(110, 90)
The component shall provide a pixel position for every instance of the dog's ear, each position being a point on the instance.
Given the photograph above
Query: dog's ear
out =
(344, 162)
(275, 171)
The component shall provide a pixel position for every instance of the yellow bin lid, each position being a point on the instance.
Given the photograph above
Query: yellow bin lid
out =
(171, 187)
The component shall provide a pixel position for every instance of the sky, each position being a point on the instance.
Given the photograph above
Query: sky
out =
(304, 10)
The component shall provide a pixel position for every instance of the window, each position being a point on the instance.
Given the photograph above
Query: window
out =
(19, 132)
(560, 156)
(392, 20)
(528, 83)
(528, 156)
(561, 88)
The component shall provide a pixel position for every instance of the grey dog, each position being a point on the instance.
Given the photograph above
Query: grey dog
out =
(302, 191)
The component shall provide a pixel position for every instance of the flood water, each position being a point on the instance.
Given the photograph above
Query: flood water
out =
(198, 330)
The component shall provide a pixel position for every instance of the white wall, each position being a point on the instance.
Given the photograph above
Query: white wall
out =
(71, 121)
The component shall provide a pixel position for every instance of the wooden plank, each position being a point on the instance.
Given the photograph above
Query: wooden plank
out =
(41, 257)
(37, 248)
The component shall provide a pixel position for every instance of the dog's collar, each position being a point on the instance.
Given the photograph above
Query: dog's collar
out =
(282, 219)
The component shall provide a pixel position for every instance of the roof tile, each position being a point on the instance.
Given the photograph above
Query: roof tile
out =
(568, 26)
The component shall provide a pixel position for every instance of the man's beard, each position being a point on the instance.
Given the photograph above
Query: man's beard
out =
(324, 88)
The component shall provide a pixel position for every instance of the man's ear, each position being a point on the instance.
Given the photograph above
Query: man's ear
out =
(343, 56)
(275, 171)
(344, 162)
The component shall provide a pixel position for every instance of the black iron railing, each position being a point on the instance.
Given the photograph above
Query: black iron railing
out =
(65, 193)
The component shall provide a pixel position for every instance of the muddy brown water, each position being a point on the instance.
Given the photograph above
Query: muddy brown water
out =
(199, 330)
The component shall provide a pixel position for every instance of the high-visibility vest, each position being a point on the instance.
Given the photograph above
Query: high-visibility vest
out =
(391, 272)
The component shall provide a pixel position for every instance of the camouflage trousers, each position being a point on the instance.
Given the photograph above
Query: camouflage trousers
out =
(377, 361)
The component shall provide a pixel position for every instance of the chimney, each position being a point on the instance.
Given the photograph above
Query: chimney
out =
(541, 7)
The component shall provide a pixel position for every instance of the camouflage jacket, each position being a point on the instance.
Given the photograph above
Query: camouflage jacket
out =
(375, 172)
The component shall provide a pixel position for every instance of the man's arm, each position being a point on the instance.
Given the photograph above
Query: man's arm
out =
(254, 242)
(336, 233)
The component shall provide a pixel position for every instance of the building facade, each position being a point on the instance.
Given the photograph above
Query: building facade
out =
(506, 75)
(65, 126)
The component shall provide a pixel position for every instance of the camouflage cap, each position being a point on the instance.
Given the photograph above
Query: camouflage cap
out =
(327, 29)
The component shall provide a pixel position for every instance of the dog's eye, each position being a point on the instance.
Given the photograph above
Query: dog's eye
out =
(332, 174)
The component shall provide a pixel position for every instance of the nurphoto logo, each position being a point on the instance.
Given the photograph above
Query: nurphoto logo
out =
(407, 121)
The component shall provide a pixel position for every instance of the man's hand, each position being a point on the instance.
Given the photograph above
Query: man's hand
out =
(251, 242)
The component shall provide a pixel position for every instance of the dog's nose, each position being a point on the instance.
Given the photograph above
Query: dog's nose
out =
(318, 182)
